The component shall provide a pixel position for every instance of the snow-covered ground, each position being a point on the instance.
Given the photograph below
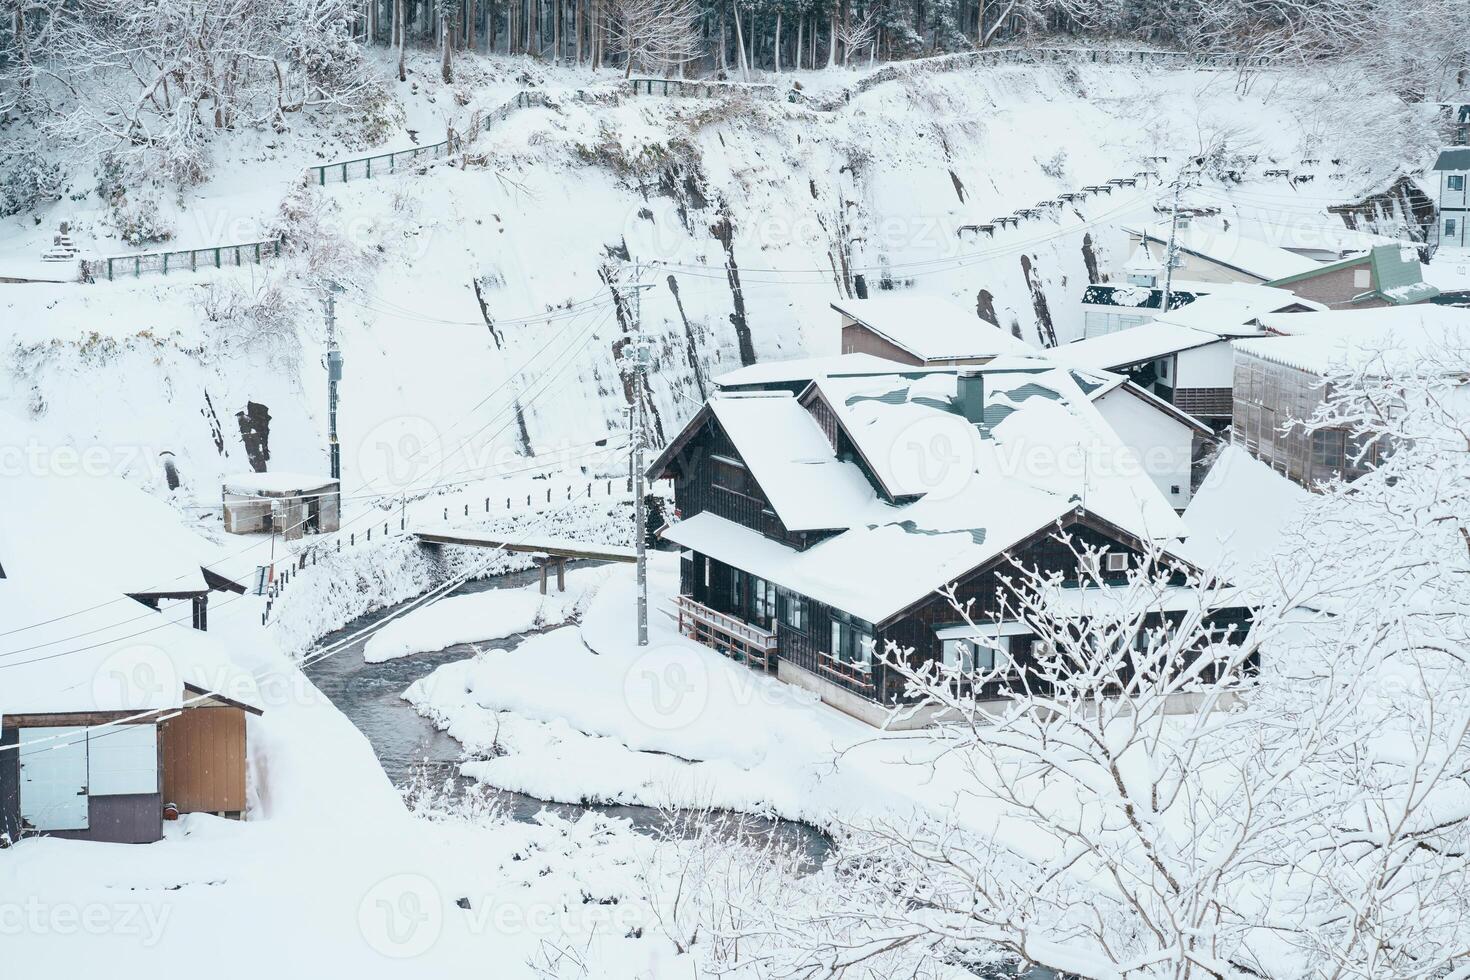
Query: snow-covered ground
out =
(477, 327)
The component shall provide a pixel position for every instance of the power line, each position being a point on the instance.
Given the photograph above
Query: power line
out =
(254, 544)
(428, 599)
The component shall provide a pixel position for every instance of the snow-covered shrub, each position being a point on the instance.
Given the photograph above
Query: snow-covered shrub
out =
(154, 81)
(27, 181)
(257, 317)
(1055, 166)
(323, 244)
(140, 218)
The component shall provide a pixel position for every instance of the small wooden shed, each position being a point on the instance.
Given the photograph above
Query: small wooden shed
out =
(291, 504)
(100, 736)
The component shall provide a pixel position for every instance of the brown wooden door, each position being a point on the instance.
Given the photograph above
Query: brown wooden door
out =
(204, 760)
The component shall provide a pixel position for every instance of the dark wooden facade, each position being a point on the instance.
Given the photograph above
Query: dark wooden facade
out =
(804, 625)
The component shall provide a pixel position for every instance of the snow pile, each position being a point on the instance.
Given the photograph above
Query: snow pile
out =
(1237, 516)
(491, 615)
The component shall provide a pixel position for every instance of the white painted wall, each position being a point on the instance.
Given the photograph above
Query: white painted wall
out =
(1211, 366)
(1164, 445)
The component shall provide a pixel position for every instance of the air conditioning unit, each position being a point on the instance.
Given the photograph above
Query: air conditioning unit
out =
(1117, 562)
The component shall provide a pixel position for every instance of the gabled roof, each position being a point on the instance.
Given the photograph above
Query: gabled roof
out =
(113, 532)
(1227, 247)
(1135, 345)
(1453, 158)
(1398, 276)
(75, 643)
(931, 328)
(960, 493)
(788, 455)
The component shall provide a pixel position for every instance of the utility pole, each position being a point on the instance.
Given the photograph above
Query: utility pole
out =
(640, 355)
(334, 375)
(1172, 250)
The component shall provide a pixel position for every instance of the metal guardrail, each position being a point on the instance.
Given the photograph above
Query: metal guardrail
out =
(397, 161)
(186, 260)
(388, 163)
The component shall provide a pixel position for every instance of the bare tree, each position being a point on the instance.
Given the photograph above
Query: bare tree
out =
(655, 33)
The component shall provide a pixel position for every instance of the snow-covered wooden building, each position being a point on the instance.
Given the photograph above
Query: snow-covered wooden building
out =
(1162, 437)
(1210, 252)
(920, 330)
(1184, 356)
(816, 527)
(1282, 378)
(1386, 275)
(289, 504)
(110, 716)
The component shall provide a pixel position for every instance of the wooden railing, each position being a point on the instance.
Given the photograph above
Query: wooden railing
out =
(851, 673)
(733, 637)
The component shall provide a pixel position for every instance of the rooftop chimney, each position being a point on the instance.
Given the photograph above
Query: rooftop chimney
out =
(970, 395)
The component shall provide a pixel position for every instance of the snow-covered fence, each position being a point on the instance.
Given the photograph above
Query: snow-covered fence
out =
(186, 260)
(1032, 56)
(691, 89)
(385, 163)
(396, 161)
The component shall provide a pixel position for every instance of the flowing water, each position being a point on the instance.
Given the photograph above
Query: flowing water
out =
(409, 746)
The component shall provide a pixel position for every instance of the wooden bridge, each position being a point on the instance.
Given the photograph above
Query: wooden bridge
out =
(548, 551)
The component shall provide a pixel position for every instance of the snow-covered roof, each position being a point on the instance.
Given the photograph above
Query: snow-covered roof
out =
(788, 455)
(1453, 158)
(931, 328)
(74, 643)
(1394, 338)
(1134, 345)
(801, 369)
(121, 536)
(967, 492)
(1238, 514)
(1228, 247)
(91, 654)
(276, 483)
(1233, 309)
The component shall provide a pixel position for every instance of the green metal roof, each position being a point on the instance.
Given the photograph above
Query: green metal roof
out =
(1346, 263)
(1396, 280)
(1399, 280)
(1455, 158)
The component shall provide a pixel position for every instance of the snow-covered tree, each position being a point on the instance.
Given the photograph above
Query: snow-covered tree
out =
(655, 34)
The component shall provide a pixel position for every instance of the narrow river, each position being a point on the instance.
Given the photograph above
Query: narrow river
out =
(407, 744)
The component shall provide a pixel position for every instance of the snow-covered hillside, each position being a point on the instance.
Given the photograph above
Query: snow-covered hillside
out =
(477, 323)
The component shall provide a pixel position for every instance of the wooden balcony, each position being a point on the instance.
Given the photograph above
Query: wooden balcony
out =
(733, 637)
